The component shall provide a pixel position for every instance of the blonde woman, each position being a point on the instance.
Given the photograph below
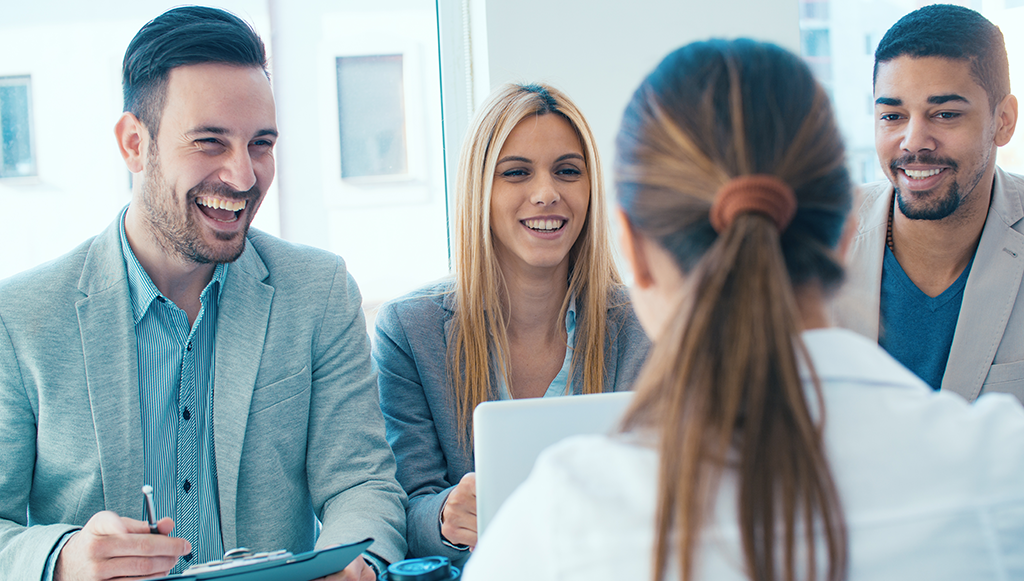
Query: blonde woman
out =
(534, 308)
(762, 444)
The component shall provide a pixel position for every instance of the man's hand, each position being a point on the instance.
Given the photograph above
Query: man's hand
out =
(110, 546)
(458, 518)
(357, 570)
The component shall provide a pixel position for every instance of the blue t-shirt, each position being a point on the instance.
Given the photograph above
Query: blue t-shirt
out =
(915, 328)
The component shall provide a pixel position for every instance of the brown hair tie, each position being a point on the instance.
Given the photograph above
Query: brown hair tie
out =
(764, 194)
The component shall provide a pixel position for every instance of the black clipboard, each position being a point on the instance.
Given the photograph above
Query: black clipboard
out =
(301, 567)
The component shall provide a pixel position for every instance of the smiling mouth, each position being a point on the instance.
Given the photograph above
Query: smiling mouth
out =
(220, 209)
(922, 174)
(544, 224)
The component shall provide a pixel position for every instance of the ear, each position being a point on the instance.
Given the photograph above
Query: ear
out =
(131, 137)
(1006, 119)
(633, 248)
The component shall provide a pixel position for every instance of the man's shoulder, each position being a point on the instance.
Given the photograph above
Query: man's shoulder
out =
(281, 256)
(1009, 184)
(872, 196)
(50, 277)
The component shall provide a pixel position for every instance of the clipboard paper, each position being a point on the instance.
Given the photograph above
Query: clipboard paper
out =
(301, 567)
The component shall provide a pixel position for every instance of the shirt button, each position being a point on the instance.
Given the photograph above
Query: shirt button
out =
(189, 346)
(187, 486)
(186, 414)
(161, 299)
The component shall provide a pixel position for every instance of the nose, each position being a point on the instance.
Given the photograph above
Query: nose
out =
(238, 171)
(917, 136)
(546, 192)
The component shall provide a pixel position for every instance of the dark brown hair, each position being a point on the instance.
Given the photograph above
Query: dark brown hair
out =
(722, 390)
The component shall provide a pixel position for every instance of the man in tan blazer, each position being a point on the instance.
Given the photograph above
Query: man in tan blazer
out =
(935, 266)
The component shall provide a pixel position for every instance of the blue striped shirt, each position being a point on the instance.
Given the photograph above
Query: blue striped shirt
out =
(176, 394)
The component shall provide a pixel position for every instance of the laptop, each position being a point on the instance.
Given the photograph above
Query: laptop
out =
(509, 435)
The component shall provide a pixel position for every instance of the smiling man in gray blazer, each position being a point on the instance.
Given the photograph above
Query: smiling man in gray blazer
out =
(225, 367)
(935, 268)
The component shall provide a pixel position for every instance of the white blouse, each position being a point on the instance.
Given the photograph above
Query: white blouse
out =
(931, 486)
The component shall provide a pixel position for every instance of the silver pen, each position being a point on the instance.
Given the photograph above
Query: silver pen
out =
(149, 509)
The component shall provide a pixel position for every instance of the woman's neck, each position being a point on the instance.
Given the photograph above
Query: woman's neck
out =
(535, 300)
(812, 306)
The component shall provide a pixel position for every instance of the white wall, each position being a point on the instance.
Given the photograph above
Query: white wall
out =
(73, 52)
(598, 52)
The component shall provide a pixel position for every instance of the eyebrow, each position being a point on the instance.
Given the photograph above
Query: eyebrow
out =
(933, 100)
(528, 160)
(514, 158)
(222, 131)
(940, 99)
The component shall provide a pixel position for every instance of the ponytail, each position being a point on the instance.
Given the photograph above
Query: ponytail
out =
(721, 394)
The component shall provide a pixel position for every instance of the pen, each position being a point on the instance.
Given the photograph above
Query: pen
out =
(147, 503)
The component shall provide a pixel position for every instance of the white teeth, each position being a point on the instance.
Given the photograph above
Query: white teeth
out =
(543, 224)
(219, 204)
(920, 175)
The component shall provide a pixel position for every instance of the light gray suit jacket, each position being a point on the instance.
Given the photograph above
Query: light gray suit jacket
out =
(411, 353)
(988, 345)
(297, 427)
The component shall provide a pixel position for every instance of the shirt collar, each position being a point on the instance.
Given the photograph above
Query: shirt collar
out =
(570, 322)
(141, 288)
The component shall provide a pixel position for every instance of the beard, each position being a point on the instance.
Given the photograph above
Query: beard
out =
(176, 229)
(934, 205)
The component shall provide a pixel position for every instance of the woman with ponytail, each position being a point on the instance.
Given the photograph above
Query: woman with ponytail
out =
(534, 306)
(761, 444)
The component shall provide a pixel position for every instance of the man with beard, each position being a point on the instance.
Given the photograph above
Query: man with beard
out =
(936, 263)
(226, 368)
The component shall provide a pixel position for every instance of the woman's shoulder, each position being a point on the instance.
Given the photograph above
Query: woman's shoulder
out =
(934, 447)
(622, 323)
(427, 302)
(619, 306)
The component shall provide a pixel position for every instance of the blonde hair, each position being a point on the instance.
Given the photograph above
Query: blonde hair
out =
(479, 335)
(722, 388)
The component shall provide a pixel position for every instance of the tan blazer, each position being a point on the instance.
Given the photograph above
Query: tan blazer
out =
(988, 345)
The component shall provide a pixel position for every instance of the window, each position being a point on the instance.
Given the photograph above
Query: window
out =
(16, 156)
(371, 116)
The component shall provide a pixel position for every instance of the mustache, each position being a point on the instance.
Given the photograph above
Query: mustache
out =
(923, 159)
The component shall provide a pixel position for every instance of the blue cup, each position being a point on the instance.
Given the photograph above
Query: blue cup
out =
(425, 569)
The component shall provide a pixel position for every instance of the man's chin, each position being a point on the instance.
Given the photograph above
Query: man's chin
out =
(222, 251)
(927, 205)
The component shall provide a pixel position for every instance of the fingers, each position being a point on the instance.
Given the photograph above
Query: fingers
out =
(107, 523)
(357, 570)
(469, 482)
(109, 546)
(165, 526)
(458, 518)
(130, 525)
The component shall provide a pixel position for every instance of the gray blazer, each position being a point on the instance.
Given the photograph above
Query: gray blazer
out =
(410, 352)
(297, 429)
(988, 345)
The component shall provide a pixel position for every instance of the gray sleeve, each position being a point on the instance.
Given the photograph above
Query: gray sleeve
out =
(351, 468)
(422, 467)
(24, 550)
(631, 347)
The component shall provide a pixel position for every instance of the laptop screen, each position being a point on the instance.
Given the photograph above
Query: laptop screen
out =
(509, 435)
